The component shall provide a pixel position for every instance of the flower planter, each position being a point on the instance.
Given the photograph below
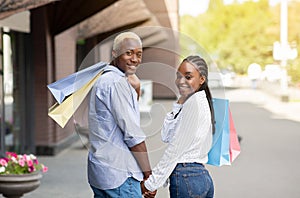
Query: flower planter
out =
(14, 186)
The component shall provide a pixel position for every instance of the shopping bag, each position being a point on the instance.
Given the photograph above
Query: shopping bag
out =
(68, 85)
(219, 153)
(234, 145)
(61, 113)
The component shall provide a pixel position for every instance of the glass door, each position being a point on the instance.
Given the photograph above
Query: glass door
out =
(17, 127)
(2, 126)
(6, 91)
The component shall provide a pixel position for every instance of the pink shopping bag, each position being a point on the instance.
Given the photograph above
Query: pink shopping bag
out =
(234, 145)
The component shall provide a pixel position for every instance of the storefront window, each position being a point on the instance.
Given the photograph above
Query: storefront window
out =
(7, 121)
(16, 120)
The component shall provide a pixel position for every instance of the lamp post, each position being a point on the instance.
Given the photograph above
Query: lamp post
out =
(284, 49)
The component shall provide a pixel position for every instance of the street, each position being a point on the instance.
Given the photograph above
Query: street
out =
(267, 166)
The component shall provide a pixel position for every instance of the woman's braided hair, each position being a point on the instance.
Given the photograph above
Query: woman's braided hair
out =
(201, 66)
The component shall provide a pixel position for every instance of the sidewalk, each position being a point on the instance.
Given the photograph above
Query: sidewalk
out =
(287, 110)
(269, 96)
(66, 177)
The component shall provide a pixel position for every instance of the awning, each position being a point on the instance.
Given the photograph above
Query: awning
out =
(63, 14)
(136, 15)
(151, 32)
(10, 7)
(95, 17)
(120, 14)
(67, 13)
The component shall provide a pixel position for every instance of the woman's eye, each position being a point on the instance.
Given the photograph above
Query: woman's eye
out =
(188, 77)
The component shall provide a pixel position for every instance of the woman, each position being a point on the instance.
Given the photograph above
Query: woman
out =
(188, 130)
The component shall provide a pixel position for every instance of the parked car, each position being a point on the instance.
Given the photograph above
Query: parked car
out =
(228, 77)
(215, 80)
(224, 78)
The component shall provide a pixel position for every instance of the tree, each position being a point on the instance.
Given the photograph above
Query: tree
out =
(237, 35)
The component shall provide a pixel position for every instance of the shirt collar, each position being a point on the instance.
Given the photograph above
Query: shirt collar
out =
(114, 69)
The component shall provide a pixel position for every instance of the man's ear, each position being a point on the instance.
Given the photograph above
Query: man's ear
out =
(114, 54)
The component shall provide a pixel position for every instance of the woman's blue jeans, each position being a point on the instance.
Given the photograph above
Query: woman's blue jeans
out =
(191, 180)
(131, 188)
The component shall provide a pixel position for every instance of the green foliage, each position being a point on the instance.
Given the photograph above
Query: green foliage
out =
(237, 35)
(294, 71)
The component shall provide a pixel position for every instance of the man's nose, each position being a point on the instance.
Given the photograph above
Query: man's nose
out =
(134, 58)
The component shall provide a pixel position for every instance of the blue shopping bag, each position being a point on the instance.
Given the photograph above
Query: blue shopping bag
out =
(70, 84)
(219, 153)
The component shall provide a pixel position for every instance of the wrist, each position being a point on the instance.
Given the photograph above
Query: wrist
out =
(147, 174)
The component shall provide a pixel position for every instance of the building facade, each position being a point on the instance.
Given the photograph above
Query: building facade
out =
(43, 41)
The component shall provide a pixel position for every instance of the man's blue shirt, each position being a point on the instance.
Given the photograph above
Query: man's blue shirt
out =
(114, 124)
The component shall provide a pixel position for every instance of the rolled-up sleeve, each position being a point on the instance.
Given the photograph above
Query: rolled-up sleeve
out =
(126, 113)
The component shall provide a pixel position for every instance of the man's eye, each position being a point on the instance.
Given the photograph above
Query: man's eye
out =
(128, 53)
(139, 55)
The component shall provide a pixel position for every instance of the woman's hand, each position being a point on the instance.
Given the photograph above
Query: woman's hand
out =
(146, 193)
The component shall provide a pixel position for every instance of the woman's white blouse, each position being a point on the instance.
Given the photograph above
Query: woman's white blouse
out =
(189, 138)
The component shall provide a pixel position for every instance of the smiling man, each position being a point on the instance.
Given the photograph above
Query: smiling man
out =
(118, 158)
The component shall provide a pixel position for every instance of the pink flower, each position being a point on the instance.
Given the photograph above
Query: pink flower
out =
(26, 157)
(29, 162)
(11, 154)
(22, 162)
(45, 168)
(3, 162)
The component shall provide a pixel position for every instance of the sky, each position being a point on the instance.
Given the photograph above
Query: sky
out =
(196, 7)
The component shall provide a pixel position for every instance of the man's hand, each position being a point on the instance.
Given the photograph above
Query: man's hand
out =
(181, 99)
(135, 83)
(146, 192)
(140, 154)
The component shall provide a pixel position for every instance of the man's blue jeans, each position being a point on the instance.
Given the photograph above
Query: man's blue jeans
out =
(131, 188)
(191, 180)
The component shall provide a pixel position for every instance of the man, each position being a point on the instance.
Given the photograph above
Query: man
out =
(118, 158)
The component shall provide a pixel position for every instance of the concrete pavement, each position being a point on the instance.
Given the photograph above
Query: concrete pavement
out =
(67, 178)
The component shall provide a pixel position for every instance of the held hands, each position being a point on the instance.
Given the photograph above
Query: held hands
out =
(146, 193)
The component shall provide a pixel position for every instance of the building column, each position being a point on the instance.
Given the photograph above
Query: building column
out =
(44, 70)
